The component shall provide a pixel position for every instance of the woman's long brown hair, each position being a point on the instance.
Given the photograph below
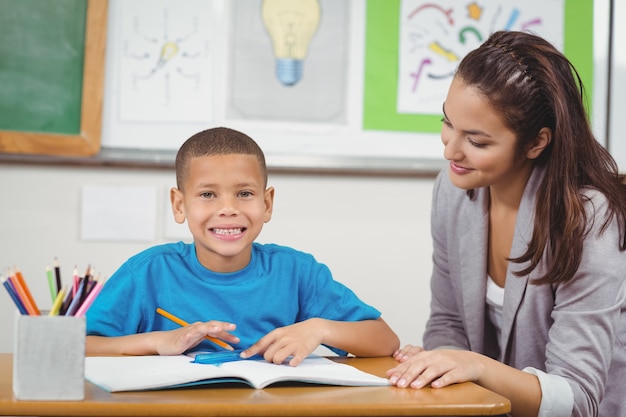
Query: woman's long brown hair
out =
(532, 85)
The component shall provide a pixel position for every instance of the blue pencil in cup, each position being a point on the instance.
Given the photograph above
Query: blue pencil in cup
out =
(13, 294)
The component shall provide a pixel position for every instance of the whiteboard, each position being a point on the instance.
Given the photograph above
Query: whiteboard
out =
(337, 140)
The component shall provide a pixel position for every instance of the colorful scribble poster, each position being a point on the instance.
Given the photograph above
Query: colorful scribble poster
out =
(435, 36)
(401, 35)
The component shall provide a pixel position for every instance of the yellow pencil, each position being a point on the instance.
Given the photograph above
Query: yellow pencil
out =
(56, 306)
(184, 323)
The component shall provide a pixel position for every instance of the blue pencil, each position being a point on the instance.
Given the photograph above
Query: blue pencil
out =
(76, 301)
(13, 295)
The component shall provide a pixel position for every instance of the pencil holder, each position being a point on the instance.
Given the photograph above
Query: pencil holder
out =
(49, 358)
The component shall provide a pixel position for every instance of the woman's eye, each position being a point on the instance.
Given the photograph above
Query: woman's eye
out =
(476, 144)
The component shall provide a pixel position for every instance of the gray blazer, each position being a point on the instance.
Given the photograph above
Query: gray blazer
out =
(576, 330)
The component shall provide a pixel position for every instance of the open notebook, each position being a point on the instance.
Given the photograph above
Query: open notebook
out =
(134, 373)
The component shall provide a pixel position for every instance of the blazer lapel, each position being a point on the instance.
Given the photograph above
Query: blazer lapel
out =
(515, 286)
(473, 246)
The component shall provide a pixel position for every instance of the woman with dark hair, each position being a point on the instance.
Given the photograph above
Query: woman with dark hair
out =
(528, 225)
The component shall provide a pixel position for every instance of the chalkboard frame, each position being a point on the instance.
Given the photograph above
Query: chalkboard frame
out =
(87, 141)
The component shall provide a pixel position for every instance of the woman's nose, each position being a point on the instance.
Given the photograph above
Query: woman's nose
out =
(452, 148)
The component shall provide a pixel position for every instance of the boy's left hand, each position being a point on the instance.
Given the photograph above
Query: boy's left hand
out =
(296, 340)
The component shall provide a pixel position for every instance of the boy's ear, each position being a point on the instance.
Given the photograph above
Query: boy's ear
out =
(541, 142)
(269, 204)
(178, 208)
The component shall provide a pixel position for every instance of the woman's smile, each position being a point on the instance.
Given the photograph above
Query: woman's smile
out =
(459, 170)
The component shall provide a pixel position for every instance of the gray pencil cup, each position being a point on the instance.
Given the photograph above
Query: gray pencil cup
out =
(49, 358)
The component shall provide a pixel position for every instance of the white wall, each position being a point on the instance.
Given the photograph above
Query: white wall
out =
(373, 232)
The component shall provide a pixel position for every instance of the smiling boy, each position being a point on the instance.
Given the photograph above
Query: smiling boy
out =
(264, 298)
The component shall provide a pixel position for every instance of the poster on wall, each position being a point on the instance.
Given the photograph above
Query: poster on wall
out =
(362, 91)
(426, 40)
(288, 65)
(435, 36)
(165, 61)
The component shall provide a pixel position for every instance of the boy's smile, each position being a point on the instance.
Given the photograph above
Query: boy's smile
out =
(225, 204)
(228, 232)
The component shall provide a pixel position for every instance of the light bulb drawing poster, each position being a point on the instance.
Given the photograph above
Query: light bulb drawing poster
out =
(165, 61)
(435, 36)
(291, 26)
(264, 86)
(414, 46)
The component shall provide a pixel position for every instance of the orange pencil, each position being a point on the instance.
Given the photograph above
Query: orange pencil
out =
(184, 323)
(22, 295)
(20, 277)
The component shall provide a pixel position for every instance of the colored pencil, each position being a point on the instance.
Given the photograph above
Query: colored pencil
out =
(51, 283)
(57, 274)
(75, 281)
(56, 306)
(89, 299)
(67, 299)
(89, 272)
(31, 300)
(71, 309)
(13, 295)
(19, 291)
(183, 323)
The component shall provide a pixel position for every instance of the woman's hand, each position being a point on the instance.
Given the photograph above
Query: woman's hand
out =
(406, 352)
(419, 368)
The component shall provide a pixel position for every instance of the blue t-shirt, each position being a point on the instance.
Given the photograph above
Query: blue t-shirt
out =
(280, 286)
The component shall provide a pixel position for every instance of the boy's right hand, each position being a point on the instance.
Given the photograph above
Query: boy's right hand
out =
(177, 341)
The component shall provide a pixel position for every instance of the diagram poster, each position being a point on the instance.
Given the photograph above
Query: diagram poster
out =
(166, 57)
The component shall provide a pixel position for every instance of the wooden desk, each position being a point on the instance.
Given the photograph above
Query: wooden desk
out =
(461, 399)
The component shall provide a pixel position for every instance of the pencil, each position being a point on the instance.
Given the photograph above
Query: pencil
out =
(31, 300)
(89, 299)
(76, 299)
(57, 274)
(184, 323)
(67, 299)
(51, 284)
(21, 294)
(75, 281)
(13, 295)
(56, 306)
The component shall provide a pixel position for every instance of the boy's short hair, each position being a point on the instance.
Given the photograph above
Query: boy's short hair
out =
(216, 141)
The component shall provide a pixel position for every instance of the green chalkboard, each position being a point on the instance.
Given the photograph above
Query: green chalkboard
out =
(41, 70)
(51, 75)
